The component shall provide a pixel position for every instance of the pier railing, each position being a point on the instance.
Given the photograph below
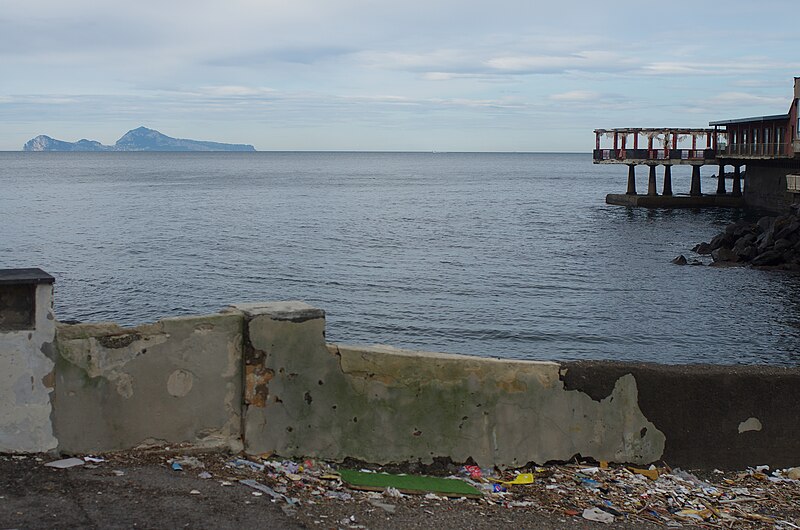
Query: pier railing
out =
(655, 155)
(754, 150)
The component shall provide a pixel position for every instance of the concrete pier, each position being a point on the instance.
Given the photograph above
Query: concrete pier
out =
(737, 181)
(675, 201)
(651, 182)
(721, 180)
(696, 190)
(667, 181)
(631, 180)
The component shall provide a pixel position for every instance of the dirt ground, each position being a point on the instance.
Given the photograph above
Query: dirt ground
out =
(141, 489)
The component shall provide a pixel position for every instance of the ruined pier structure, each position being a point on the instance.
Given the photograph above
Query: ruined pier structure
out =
(768, 145)
(664, 148)
(261, 378)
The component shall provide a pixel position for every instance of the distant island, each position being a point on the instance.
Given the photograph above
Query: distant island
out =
(141, 139)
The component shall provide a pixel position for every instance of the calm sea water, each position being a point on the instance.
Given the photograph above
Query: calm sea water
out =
(507, 255)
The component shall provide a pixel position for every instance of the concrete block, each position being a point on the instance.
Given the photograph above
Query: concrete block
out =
(386, 405)
(26, 365)
(177, 380)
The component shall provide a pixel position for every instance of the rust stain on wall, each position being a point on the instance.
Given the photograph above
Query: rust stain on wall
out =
(256, 384)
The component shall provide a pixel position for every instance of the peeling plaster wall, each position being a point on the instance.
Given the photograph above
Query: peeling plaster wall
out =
(177, 380)
(26, 381)
(262, 375)
(384, 405)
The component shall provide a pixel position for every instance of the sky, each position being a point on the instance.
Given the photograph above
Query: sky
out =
(433, 75)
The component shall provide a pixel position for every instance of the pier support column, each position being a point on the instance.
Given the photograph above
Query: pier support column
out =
(695, 190)
(651, 182)
(737, 183)
(721, 180)
(631, 180)
(667, 180)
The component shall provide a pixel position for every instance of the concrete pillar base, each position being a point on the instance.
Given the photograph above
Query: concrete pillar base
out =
(695, 190)
(631, 180)
(651, 182)
(721, 180)
(667, 181)
(737, 182)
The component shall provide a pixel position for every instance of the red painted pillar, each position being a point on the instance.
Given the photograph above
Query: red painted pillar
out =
(649, 147)
(616, 138)
(636, 140)
(694, 143)
(597, 140)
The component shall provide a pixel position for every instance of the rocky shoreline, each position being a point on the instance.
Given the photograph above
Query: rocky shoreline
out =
(771, 242)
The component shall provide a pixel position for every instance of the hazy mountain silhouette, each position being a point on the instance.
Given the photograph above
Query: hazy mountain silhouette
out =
(141, 139)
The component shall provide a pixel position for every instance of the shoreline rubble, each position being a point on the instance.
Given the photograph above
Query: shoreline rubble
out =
(307, 489)
(769, 243)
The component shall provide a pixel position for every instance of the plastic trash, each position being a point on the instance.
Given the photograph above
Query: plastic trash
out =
(269, 491)
(205, 475)
(176, 466)
(652, 474)
(598, 515)
(65, 463)
(521, 479)
(389, 508)
(474, 472)
(242, 463)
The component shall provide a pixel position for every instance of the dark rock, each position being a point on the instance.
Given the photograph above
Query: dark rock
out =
(702, 249)
(782, 245)
(748, 253)
(765, 223)
(721, 240)
(765, 241)
(770, 257)
(788, 231)
(724, 254)
(743, 242)
(680, 260)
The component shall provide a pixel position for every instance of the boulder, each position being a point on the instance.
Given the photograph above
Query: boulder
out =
(781, 245)
(702, 249)
(747, 253)
(788, 231)
(721, 240)
(770, 257)
(680, 260)
(765, 223)
(724, 254)
(743, 242)
(765, 241)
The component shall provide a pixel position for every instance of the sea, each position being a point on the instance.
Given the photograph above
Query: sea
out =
(510, 255)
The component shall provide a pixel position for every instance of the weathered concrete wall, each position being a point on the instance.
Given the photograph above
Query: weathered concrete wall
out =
(383, 405)
(712, 416)
(26, 375)
(178, 380)
(765, 188)
(263, 375)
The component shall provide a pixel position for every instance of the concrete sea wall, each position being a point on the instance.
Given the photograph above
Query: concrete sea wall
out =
(261, 377)
(765, 186)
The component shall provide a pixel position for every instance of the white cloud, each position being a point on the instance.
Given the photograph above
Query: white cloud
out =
(576, 95)
(234, 91)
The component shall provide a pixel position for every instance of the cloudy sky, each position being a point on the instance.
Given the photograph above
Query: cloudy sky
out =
(448, 75)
